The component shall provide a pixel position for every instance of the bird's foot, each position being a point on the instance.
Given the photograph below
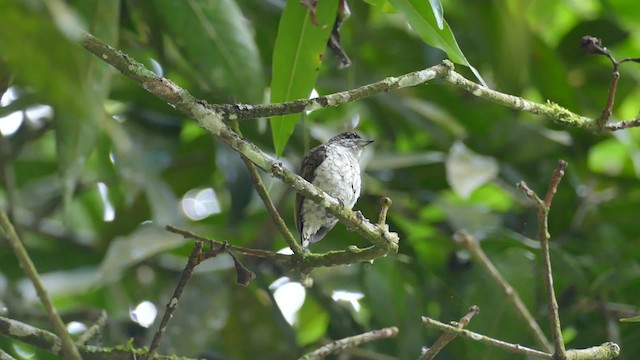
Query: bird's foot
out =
(359, 220)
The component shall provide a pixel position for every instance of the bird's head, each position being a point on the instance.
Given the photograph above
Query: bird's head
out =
(350, 140)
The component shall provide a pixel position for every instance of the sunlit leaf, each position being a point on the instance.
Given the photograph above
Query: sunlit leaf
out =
(608, 157)
(297, 56)
(438, 12)
(474, 218)
(312, 322)
(466, 170)
(422, 19)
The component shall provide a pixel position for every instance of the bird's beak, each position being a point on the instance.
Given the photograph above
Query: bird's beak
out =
(364, 143)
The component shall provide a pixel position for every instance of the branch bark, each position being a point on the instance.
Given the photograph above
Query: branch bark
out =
(473, 245)
(68, 347)
(349, 342)
(211, 118)
(50, 342)
(542, 210)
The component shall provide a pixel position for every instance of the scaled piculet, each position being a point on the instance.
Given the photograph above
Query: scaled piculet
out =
(333, 167)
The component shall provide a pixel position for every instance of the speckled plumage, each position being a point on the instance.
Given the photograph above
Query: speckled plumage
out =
(333, 167)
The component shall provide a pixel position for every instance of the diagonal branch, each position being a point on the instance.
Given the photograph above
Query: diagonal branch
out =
(446, 338)
(606, 351)
(384, 242)
(473, 245)
(173, 94)
(515, 348)
(266, 199)
(543, 207)
(337, 346)
(50, 342)
(68, 347)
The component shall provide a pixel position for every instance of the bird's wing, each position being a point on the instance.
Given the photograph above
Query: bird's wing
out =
(311, 161)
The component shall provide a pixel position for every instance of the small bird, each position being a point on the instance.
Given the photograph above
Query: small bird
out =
(333, 167)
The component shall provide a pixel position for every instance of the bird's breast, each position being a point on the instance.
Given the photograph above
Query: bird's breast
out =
(339, 176)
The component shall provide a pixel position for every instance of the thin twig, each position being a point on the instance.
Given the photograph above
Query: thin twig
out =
(608, 108)
(302, 263)
(349, 342)
(385, 204)
(271, 208)
(243, 250)
(543, 207)
(593, 45)
(446, 338)
(623, 124)
(515, 348)
(68, 347)
(94, 329)
(175, 95)
(606, 351)
(266, 199)
(558, 173)
(9, 178)
(473, 245)
(173, 303)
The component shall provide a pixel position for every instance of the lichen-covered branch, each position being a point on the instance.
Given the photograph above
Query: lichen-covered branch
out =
(171, 93)
(50, 342)
(94, 330)
(446, 338)
(212, 120)
(606, 351)
(515, 348)
(300, 262)
(68, 347)
(338, 346)
(173, 302)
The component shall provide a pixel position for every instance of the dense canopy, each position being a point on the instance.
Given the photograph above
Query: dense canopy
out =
(92, 168)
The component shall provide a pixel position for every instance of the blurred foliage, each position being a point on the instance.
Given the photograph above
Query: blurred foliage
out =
(91, 181)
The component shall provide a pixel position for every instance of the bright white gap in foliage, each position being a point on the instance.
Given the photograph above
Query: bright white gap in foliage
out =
(352, 297)
(289, 296)
(198, 204)
(109, 212)
(144, 313)
(76, 327)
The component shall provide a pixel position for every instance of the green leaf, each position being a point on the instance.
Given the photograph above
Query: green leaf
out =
(631, 319)
(64, 75)
(425, 22)
(297, 57)
(312, 323)
(215, 37)
(76, 136)
(608, 157)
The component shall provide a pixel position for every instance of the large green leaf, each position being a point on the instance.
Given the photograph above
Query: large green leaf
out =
(297, 57)
(421, 17)
(64, 75)
(215, 37)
